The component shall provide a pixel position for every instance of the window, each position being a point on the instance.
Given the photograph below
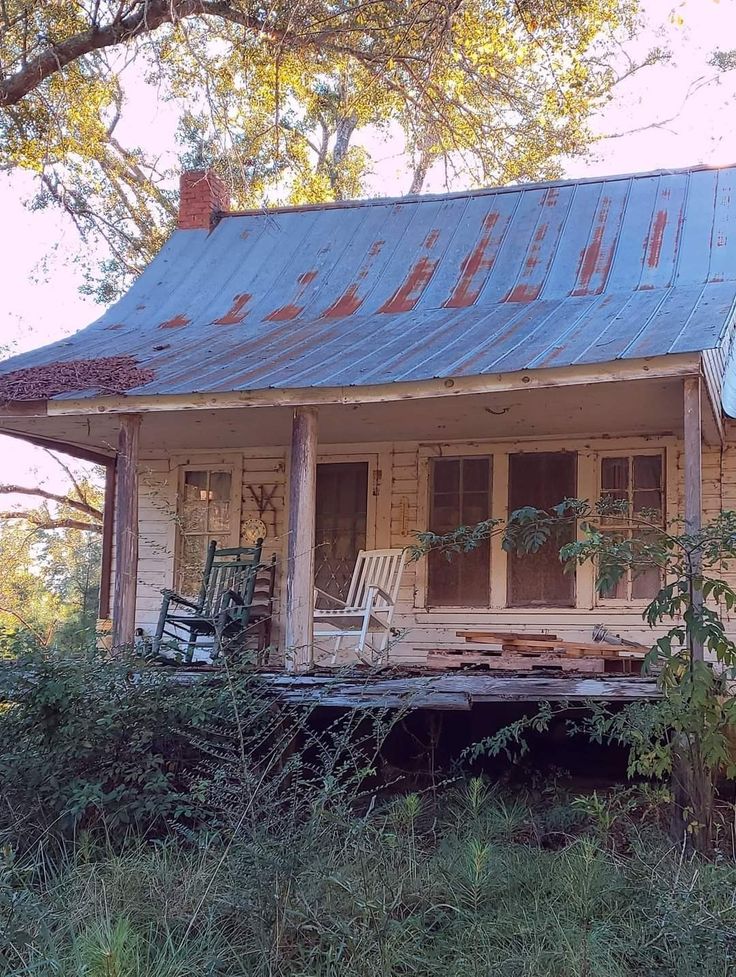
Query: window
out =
(205, 513)
(637, 480)
(460, 495)
(541, 479)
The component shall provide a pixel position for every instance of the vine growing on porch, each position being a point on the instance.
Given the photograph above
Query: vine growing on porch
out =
(688, 733)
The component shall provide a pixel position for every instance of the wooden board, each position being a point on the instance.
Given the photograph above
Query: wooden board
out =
(524, 644)
(490, 636)
(513, 663)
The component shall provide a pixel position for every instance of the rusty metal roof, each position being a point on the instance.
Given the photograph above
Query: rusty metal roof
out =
(464, 284)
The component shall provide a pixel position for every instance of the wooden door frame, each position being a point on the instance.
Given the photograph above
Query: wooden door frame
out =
(371, 512)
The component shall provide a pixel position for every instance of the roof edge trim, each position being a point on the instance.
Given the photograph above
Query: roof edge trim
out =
(460, 194)
(670, 365)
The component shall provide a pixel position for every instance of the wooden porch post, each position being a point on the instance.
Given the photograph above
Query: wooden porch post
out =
(693, 468)
(108, 523)
(300, 564)
(126, 533)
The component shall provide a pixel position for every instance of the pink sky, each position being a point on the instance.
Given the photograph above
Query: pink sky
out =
(41, 301)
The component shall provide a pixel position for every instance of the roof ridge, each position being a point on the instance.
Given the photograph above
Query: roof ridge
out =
(477, 192)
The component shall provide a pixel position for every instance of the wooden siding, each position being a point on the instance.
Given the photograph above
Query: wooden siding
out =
(399, 491)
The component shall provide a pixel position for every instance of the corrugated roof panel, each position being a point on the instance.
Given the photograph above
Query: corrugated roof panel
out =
(387, 291)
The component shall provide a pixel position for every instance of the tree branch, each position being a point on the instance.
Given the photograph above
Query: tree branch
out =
(40, 521)
(87, 508)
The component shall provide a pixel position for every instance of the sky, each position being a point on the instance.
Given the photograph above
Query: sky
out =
(670, 115)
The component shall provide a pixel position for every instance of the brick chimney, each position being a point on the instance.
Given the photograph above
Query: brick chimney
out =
(203, 197)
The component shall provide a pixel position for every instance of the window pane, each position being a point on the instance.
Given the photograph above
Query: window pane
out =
(647, 471)
(475, 475)
(541, 480)
(220, 484)
(615, 476)
(195, 486)
(445, 518)
(646, 583)
(219, 517)
(194, 516)
(446, 475)
(648, 500)
(460, 495)
(191, 564)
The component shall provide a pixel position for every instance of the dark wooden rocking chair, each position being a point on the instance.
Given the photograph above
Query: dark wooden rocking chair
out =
(221, 614)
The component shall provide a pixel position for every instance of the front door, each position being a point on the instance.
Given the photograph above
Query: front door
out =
(341, 523)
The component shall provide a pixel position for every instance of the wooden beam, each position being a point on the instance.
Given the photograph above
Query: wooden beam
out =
(126, 533)
(692, 437)
(673, 365)
(300, 563)
(108, 523)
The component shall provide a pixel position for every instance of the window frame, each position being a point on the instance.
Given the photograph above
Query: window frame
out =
(427, 493)
(234, 467)
(630, 453)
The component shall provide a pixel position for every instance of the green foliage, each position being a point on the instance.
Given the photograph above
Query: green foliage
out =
(99, 745)
(475, 882)
(690, 728)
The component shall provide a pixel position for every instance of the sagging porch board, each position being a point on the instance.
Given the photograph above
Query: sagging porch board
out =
(401, 510)
(387, 690)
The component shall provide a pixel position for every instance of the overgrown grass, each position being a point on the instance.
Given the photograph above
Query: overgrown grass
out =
(470, 882)
(156, 833)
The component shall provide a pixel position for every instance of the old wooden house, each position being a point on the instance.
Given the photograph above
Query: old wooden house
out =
(342, 376)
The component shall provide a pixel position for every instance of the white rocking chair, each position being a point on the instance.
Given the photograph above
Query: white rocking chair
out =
(369, 608)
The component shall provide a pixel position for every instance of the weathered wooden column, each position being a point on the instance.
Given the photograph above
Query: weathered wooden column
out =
(693, 470)
(126, 533)
(300, 563)
(108, 529)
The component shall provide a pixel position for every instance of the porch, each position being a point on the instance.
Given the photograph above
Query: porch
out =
(365, 468)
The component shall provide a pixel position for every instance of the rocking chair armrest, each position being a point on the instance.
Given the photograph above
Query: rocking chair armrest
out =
(323, 593)
(381, 593)
(234, 598)
(171, 596)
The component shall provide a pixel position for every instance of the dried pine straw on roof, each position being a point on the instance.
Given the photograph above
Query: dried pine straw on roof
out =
(106, 375)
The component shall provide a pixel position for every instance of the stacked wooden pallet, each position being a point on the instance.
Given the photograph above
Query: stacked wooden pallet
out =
(523, 651)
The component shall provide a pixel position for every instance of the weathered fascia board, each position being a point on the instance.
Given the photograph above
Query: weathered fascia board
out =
(673, 365)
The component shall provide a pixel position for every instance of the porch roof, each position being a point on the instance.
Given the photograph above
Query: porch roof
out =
(457, 285)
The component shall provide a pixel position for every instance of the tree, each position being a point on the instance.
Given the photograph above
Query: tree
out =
(275, 97)
(51, 557)
(79, 508)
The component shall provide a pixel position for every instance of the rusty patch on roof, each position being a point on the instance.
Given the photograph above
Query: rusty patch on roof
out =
(590, 255)
(177, 322)
(653, 246)
(432, 238)
(106, 375)
(410, 291)
(523, 293)
(284, 313)
(291, 310)
(235, 313)
(348, 303)
(468, 287)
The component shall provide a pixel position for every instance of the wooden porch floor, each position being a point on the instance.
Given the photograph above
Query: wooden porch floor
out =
(400, 687)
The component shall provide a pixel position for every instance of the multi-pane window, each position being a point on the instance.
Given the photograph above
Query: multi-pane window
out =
(460, 495)
(204, 514)
(541, 479)
(637, 481)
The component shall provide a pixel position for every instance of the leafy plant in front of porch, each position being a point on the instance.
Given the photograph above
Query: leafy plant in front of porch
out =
(689, 733)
